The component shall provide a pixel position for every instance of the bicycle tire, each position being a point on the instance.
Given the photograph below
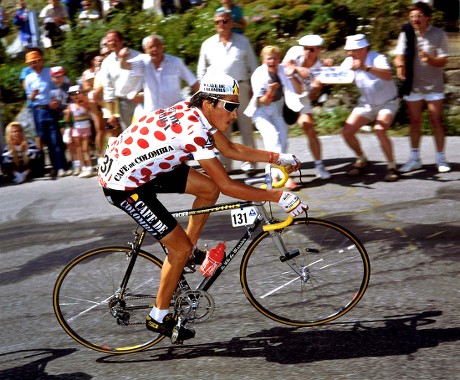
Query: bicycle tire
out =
(324, 281)
(84, 288)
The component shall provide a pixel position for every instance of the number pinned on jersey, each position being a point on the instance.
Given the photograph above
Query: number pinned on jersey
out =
(244, 217)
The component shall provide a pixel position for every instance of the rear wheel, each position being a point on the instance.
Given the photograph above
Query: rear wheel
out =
(87, 306)
(324, 276)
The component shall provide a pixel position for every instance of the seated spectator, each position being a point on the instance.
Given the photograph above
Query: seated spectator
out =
(55, 19)
(21, 159)
(88, 14)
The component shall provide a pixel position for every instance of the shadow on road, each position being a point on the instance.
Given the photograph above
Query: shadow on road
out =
(396, 335)
(35, 364)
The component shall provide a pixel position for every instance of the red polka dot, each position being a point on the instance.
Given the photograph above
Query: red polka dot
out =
(169, 158)
(183, 158)
(179, 115)
(143, 118)
(160, 136)
(164, 165)
(200, 141)
(176, 128)
(144, 131)
(134, 129)
(179, 106)
(143, 143)
(126, 152)
(193, 118)
(161, 123)
(190, 148)
(150, 119)
(129, 140)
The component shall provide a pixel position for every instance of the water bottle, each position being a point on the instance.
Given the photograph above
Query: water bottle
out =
(213, 260)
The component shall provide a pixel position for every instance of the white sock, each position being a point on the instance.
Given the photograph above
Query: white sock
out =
(440, 157)
(414, 155)
(76, 164)
(318, 163)
(391, 165)
(158, 314)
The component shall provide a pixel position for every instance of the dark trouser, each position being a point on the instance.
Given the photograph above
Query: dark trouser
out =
(47, 129)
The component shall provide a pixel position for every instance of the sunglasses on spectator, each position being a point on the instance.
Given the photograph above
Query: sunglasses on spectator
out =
(217, 22)
(75, 93)
(228, 106)
(34, 62)
(310, 49)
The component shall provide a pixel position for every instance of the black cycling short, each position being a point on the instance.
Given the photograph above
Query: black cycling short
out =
(142, 203)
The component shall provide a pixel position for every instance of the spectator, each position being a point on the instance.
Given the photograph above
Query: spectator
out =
(73, 8)
(272, 88)
(21, 158)
(238, 20)
(232, 54)
(78, 116)
(88, 14)
(162, 74)
(55, 19)
(59, 101)
(38, 85)
(4, 27)
(21, 20)
(117, 84)
(422, 53)
(95, 104)
(379, 102)
(303, 58)
(115, 8)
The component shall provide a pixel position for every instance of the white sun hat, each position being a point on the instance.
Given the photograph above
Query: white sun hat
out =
(219, 84)
(311, 40)
(356, 41)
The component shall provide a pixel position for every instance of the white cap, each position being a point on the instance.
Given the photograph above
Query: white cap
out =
(73, 89)
(357, 41)
(311, 40)
(220, 84)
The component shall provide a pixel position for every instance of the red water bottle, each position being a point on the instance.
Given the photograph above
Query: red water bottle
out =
(213, 260)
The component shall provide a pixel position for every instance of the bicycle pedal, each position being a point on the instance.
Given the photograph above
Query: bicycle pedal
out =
(289, 255)
(189, 268)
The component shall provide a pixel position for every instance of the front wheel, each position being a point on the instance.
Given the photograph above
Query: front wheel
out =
(88, 307)
(324, 275)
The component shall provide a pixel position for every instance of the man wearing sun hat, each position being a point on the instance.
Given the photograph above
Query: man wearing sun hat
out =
(153, 154)
(378, 103)
(304, 57)
(38, 86)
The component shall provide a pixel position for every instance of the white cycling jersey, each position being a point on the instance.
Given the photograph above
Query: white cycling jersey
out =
(156, 143)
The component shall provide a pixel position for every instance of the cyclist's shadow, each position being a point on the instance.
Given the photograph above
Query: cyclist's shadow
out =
(398, 336)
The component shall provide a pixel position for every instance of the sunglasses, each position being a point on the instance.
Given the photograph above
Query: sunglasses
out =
(75, 93)
(310, 49)
(228, 106)
(217, 22)
(34, 62)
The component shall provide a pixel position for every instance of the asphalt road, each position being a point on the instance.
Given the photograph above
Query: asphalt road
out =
(407, 326)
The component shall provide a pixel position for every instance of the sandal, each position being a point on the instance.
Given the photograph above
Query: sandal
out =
(356, 170)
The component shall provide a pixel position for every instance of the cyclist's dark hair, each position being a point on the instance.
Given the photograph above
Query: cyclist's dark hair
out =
(422, 7)
(198, 99)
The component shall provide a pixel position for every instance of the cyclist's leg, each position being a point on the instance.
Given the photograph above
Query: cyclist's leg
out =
(206, 192)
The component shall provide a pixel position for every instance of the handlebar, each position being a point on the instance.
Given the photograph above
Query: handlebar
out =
(269, 185)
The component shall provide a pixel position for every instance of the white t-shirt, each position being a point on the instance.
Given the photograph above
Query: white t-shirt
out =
(374, 90)
(157, 143)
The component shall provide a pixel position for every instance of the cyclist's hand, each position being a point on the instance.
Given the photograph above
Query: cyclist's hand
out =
(292, 204)
(288, 160)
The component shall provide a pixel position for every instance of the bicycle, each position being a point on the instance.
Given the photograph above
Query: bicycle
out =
(300, 272)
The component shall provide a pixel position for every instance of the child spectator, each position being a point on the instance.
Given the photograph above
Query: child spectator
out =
(77, 114)
(88, 14)
(21, 159)
(59, 101)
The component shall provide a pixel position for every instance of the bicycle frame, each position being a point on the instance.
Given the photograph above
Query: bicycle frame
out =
(207, 282)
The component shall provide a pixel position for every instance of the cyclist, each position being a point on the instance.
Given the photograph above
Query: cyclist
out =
(150, 157)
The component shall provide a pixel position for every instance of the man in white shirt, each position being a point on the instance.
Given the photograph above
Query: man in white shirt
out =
(232, 54)
(379, 102)
(117, 85)
(162, 74)
(304, 57)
